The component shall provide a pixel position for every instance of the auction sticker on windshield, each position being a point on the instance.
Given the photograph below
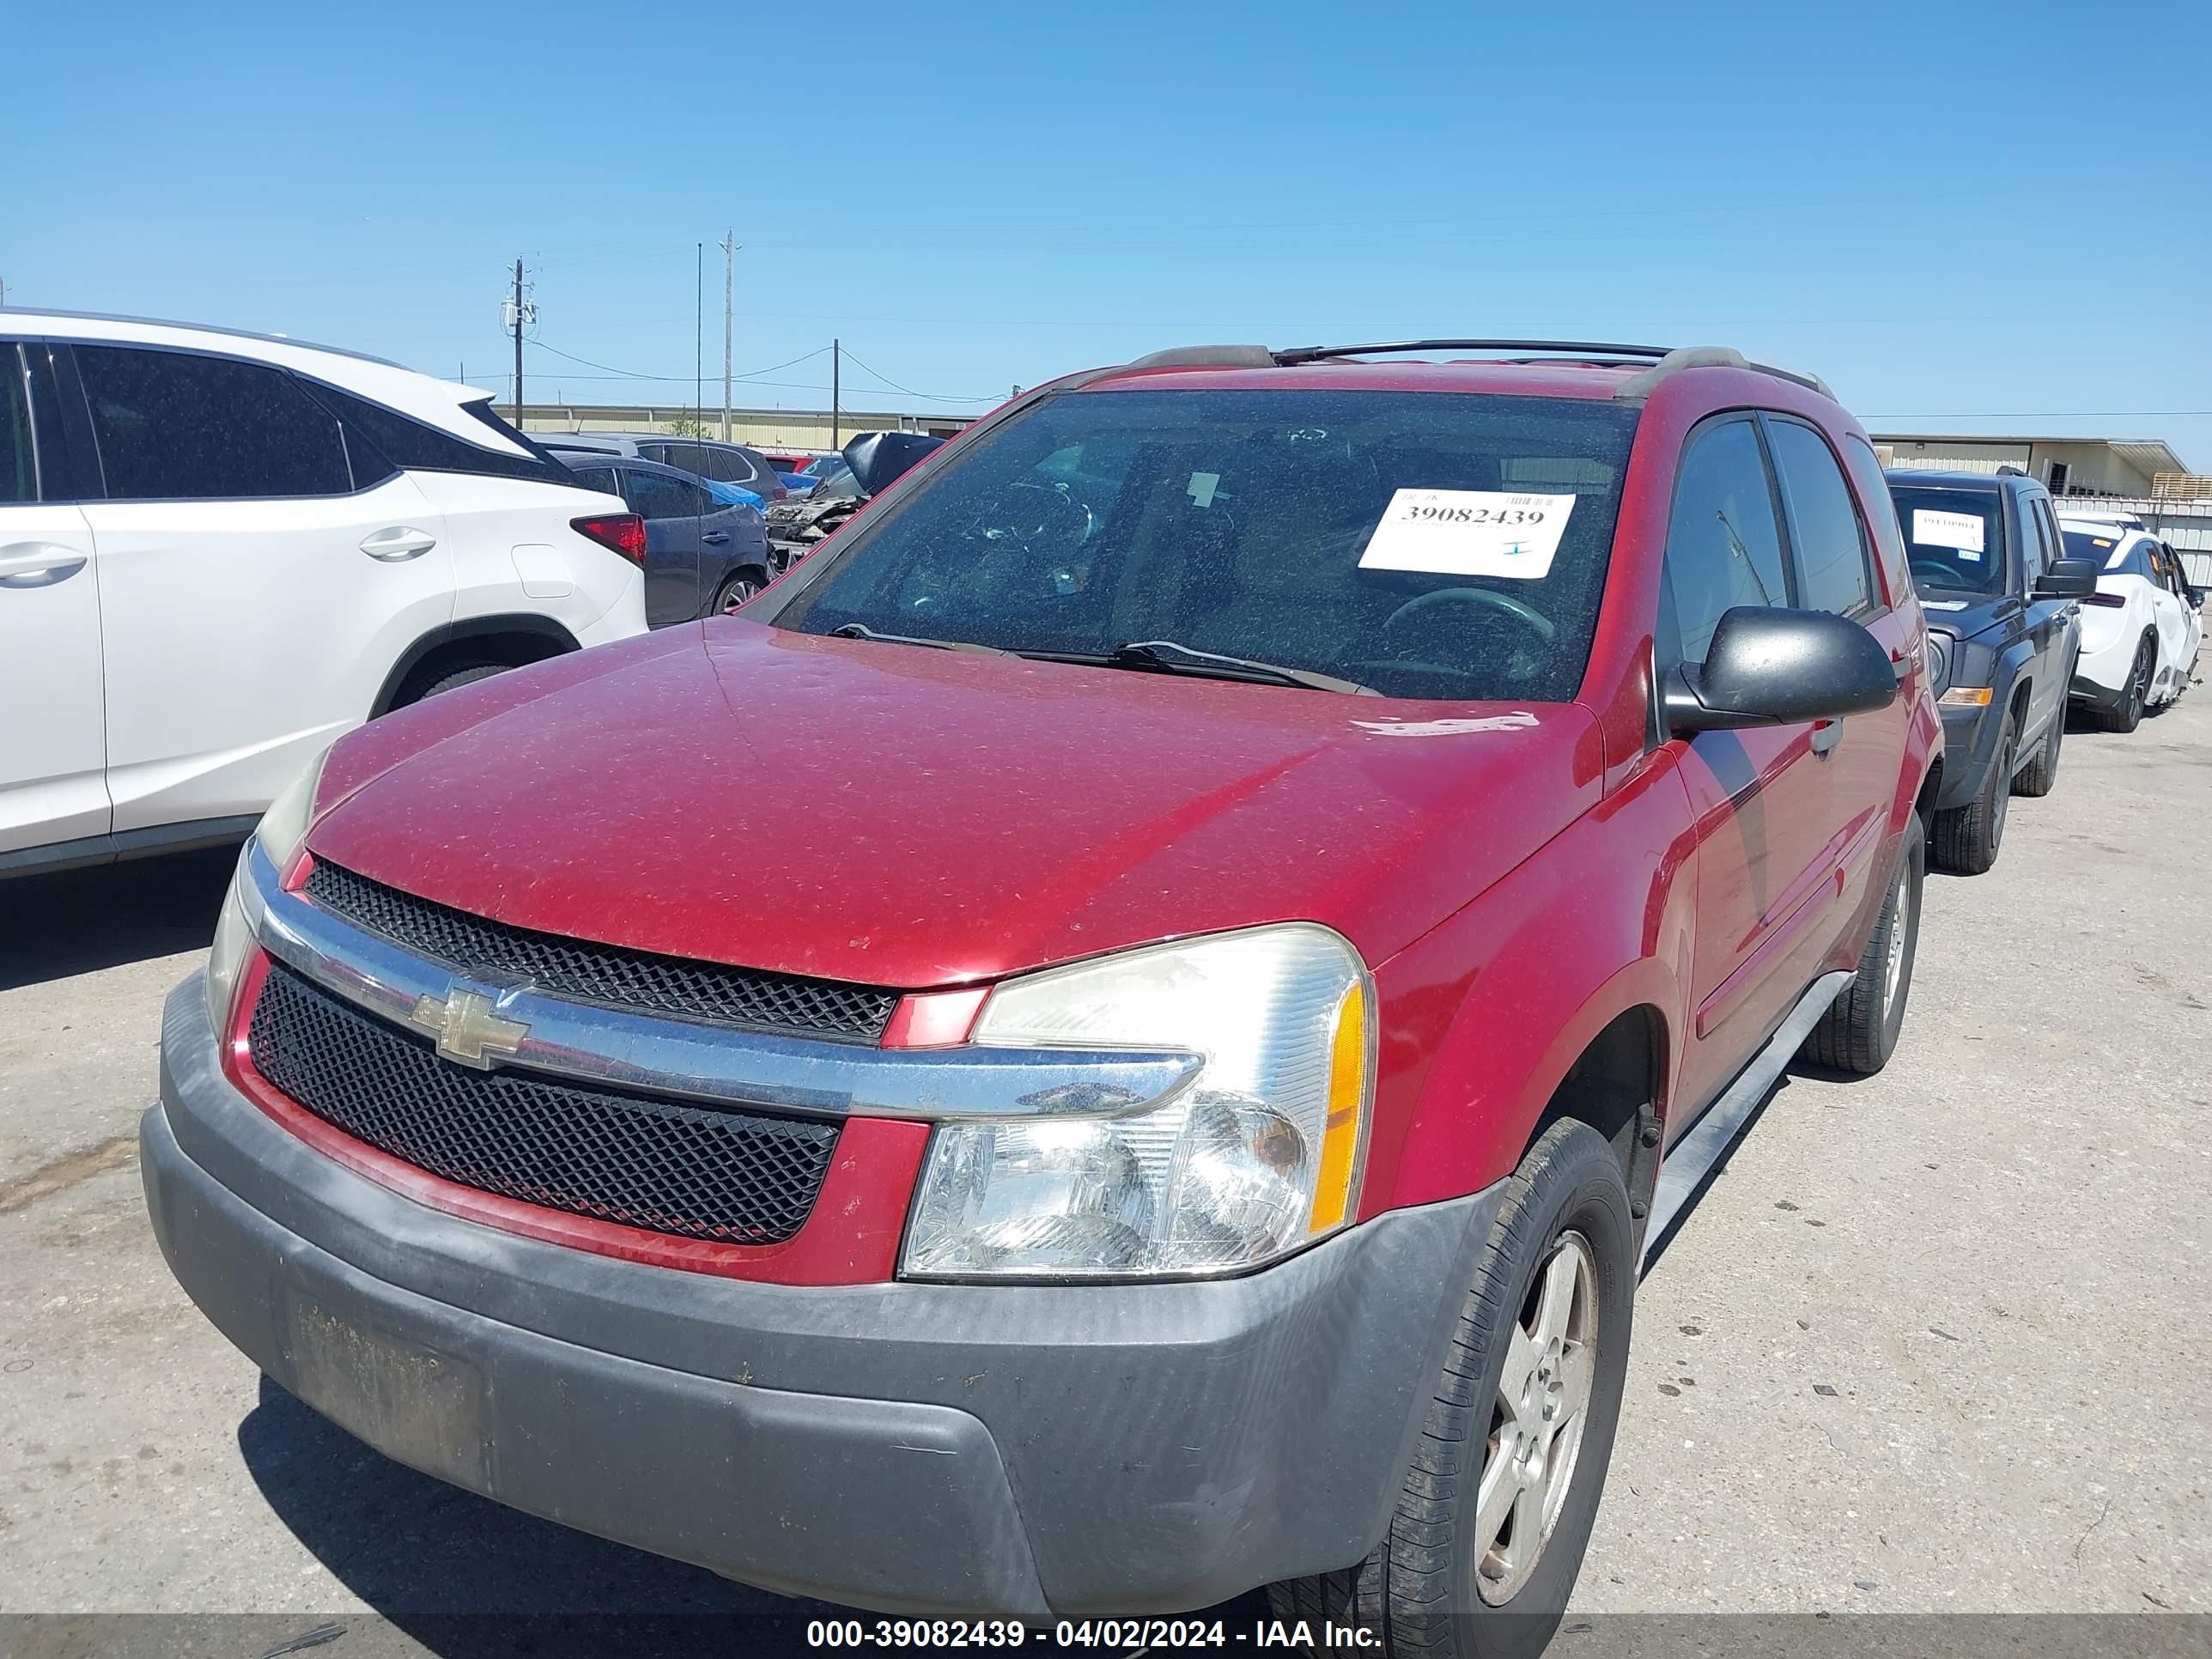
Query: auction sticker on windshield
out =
(1468, 532)
(1962, 530)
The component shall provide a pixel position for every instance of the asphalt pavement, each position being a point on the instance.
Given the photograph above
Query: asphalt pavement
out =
(1937, 1342)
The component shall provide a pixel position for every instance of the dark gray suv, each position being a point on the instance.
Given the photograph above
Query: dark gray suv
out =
(2003, 633)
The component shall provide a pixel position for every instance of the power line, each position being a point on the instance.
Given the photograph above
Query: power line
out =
(927, 397)
(631, 374)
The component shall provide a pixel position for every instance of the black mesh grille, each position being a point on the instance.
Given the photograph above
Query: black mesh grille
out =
(606, 974)
(734, 1177)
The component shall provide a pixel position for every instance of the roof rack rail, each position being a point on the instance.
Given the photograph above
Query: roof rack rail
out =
(1212, 356)
(1674, 362)
(1565, 348)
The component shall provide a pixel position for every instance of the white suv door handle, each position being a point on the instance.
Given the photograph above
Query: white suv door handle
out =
(38, 564)
(399, 542)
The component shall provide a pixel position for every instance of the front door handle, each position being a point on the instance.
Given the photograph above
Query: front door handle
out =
(38, 564)
(399, 542)
(1826, 734)
(715, 537)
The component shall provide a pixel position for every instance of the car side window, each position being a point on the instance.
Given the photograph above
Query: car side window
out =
(711, 461)
(19, 470)
(2053, 549)
(1880, 506)
(174, 425)
(654, 497)
(1826, 533)
(1723, 540)
(2034, 543)
(597, 477)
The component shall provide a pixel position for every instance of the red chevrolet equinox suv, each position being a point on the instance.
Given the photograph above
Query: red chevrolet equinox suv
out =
(1288, 868)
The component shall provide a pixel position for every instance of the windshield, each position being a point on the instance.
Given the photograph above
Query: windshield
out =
(1955, 539)
(1426, 544)
(2096, 545)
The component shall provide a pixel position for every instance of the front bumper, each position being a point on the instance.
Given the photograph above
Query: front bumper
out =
(1023, 1451)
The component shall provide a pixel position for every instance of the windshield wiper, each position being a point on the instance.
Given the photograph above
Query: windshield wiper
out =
(855, 631)
(1171, 656)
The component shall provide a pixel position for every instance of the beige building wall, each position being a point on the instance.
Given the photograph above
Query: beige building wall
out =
(2095, 466)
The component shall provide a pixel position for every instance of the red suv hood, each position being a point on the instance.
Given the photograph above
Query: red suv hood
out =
(915, 818)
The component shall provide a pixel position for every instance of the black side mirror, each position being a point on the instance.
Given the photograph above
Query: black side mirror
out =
(1768, 666)
(2068, 579)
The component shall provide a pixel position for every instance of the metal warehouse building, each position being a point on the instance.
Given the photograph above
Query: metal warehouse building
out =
(2065, 466)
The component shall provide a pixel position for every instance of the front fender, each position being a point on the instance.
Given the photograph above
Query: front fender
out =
(1483, 1016)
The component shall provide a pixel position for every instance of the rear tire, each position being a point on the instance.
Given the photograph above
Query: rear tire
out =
(1968, 837)
(1859, 1032)
(2034, 780)
(2129, 713)
(1449, 1579)
(736, 590)
(446, 679)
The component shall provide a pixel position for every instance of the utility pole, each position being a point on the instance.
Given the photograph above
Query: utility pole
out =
(698, 335)
(729, 260)
(836, 433)
(518, 311)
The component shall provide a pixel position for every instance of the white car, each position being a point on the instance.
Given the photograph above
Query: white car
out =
(218, 551)
(2139, 629)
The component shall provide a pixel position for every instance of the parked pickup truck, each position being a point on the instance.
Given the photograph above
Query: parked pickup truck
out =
(2004, 630)
(1289, 866)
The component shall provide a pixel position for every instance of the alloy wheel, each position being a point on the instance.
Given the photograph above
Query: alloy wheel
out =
(1537, 1423)
(738, 592)
(1900, 928)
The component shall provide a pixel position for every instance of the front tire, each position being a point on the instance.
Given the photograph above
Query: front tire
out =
(431, 683)
(1859, 1032)
(1968, 837)
(2035, 779)
(1496, 1512)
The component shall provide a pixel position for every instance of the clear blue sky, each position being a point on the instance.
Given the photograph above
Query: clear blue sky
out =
(1998, 213)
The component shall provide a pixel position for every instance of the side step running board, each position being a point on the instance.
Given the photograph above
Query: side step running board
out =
(1699, 1152)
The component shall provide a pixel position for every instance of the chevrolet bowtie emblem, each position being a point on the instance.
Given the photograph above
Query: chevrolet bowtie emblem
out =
(469, 1027)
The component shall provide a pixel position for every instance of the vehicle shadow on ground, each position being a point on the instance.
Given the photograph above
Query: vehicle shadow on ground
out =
(471, 1578)
(468, 1579)
(82, 921)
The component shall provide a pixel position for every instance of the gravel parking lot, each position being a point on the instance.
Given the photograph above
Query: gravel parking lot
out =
(1932, 1342)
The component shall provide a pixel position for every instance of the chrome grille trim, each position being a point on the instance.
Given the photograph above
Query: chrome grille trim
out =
(690, 1060)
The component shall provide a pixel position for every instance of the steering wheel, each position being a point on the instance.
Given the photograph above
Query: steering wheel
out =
(1032, 512)
(1534, 620)
(1939, 573)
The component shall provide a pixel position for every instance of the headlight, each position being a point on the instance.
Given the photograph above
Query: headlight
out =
(283, 828)
(1939, 662)
(284, 825)
(1259, 1154)
(227, 955)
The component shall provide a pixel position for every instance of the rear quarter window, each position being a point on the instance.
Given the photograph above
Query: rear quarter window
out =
(179, 426)
(375, 433)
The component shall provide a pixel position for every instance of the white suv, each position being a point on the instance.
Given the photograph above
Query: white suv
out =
(220, 551)
(2139, 629)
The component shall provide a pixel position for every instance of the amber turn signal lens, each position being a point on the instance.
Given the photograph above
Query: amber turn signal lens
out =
(1347, 1114)
(1965, 697)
